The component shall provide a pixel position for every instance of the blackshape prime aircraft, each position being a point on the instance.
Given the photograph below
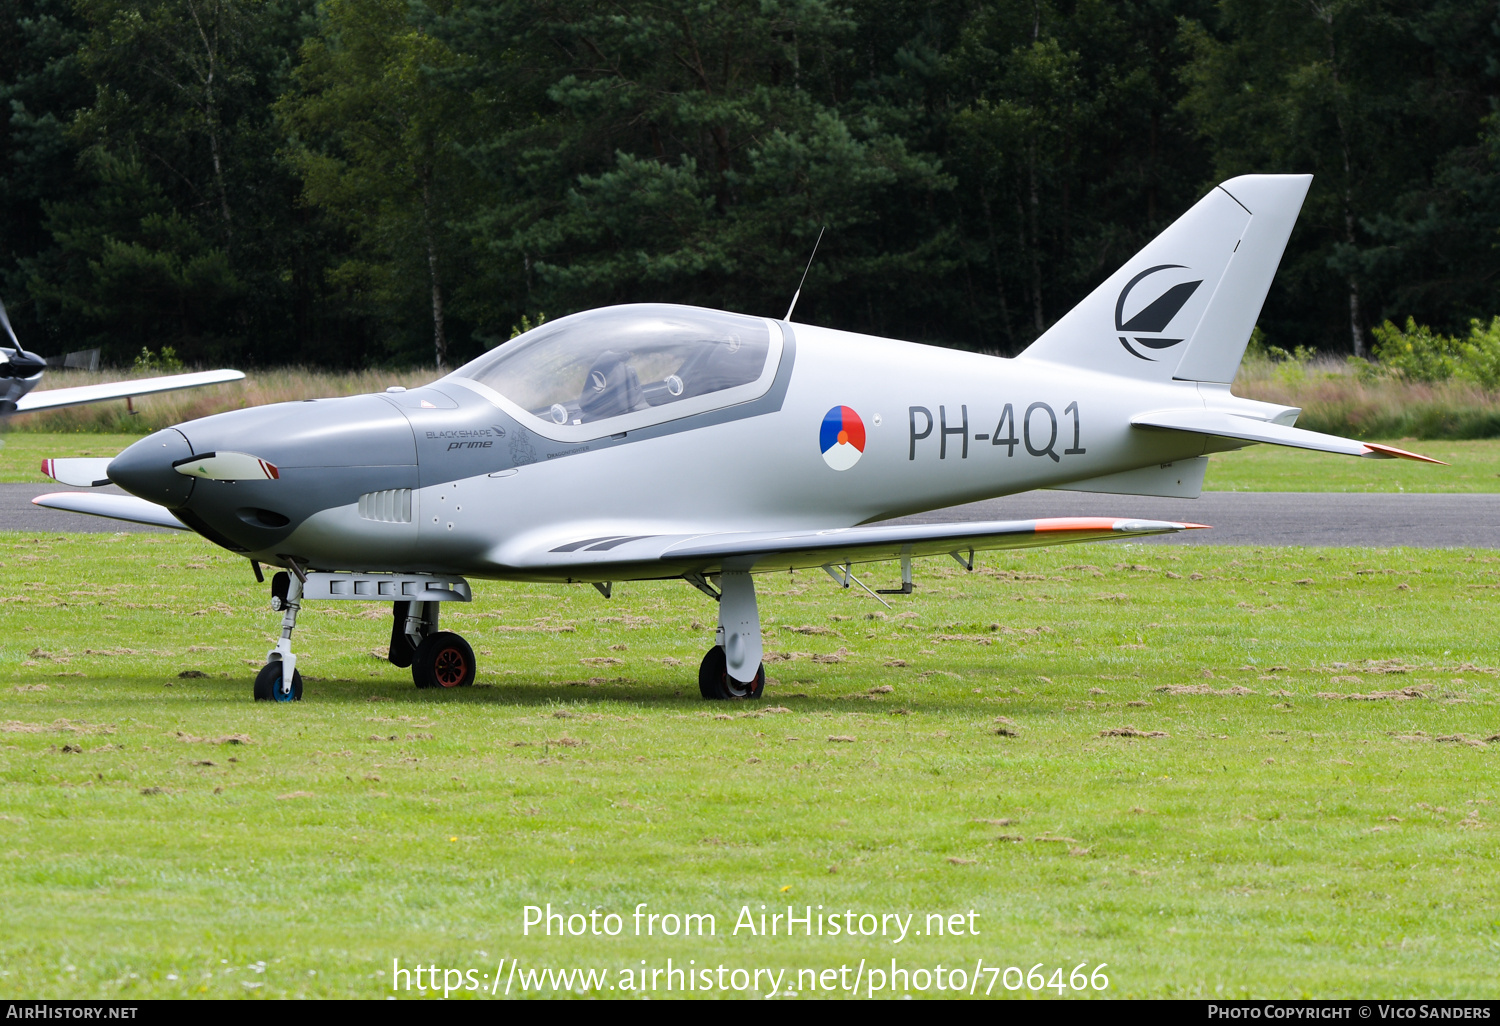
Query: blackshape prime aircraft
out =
(650, 441)
(21, 372)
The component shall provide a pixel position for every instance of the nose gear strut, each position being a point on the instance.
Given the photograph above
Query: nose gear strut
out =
(278, 680)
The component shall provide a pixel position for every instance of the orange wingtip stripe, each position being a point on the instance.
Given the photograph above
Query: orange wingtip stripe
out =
(1098, 524)
(1391, 450)
(1077, 524)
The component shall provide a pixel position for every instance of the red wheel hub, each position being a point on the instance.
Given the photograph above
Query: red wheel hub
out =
(450, 668)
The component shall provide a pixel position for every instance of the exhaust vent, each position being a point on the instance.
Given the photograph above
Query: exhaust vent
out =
(392, 506)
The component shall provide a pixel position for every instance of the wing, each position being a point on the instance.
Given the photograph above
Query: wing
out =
(116, 507)
(672, 555)
(53, 398)
(1247, 429)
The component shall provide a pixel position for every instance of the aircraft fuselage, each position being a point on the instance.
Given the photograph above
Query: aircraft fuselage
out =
(442, 479)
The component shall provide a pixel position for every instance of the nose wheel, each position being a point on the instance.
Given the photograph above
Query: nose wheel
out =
(278, 680)
(271, 686)
(443, 660)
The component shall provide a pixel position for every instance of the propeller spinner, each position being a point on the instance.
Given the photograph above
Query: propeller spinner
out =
(16, 362)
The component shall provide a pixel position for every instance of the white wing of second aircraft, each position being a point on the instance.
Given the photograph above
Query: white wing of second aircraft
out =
(80, 394)
(116, 507)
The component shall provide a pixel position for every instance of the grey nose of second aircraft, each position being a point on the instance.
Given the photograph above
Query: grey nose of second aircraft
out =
(145, 469)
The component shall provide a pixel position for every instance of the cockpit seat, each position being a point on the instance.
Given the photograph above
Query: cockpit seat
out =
(720, 363)
(611, 387)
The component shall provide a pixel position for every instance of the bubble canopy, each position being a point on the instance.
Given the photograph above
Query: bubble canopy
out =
(623, 367)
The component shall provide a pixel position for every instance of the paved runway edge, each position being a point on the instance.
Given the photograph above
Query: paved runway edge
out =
(1319, 519)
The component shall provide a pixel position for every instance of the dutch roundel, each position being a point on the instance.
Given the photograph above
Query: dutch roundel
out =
(842, 438)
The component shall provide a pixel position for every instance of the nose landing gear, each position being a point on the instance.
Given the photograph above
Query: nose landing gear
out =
(278, 680)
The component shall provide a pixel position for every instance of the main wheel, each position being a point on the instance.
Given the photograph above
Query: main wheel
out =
(714, 681)
(268, 684)
(443, 660)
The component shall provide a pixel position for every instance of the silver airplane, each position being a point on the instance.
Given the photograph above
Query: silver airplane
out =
(649, 442)
(21, 372)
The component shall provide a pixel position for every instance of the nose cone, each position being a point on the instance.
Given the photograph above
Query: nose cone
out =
(145, 469)
(24, 364)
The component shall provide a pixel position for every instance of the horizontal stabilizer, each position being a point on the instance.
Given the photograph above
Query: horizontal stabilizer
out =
(1248, 429)
(116, 507)
(79, 473)
(52, 398)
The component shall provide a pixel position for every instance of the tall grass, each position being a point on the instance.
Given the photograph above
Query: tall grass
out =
(1336, 399)
(154, 412)
(1332, 395)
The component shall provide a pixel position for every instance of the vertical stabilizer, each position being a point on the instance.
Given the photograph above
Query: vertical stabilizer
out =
(1184, 306)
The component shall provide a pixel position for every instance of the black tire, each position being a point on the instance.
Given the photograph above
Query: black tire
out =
(400, 651)
(268, 684)
(715, 684)
(443, 660)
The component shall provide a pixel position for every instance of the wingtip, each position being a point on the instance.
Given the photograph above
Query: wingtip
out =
(1196, 527)
(1391, 452)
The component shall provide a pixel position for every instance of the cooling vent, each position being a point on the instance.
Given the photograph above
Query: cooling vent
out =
(392, 506)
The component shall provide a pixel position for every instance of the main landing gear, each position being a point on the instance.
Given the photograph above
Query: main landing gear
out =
(438, 659)
(733, 668)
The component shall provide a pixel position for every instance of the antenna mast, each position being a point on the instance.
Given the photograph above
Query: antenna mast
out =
(798, 294)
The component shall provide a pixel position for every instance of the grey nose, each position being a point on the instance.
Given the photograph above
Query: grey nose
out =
(145, 469)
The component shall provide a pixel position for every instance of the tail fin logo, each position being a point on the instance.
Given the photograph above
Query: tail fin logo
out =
(1146, 325)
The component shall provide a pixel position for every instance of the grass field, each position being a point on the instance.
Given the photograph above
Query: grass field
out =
(1475, 465)
(1311, 811)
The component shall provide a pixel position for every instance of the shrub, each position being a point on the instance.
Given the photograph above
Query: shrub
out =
(1417, 353)
(1481, 354)
(166, 361)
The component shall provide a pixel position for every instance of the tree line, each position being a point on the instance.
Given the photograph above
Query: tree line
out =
(353, 182)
